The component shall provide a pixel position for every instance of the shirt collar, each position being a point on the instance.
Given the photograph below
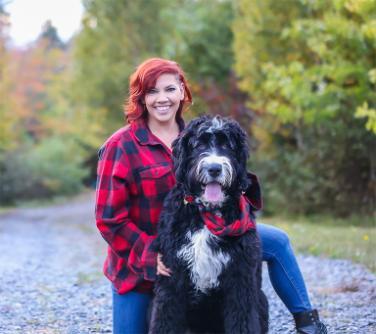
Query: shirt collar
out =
(144, 135)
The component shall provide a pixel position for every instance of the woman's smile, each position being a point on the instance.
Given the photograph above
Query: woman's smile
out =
(163, 108)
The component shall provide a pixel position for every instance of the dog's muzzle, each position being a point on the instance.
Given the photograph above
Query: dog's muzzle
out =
(214, 173)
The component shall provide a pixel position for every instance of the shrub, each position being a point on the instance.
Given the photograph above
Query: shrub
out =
(52, 167)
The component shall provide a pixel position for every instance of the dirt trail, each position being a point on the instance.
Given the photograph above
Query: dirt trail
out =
(51, 281)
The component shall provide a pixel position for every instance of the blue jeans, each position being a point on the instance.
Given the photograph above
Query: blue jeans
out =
(129, 312)
(284, 272)
(130, 309)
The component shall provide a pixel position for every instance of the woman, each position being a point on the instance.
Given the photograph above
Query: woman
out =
(134, 176)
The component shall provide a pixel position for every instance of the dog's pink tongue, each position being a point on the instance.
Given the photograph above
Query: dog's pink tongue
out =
(213, 192)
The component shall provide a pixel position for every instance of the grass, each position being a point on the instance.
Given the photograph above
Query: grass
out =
(5, 209)
(351, 239)
(87, 278)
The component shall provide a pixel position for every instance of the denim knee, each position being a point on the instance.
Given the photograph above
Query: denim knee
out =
(273, 239)
(281, 240)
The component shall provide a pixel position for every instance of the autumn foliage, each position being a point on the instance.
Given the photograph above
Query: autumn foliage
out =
(298, 75)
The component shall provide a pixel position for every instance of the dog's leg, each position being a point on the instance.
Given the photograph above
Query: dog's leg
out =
(241, 303)
(264, 313)
(263, 302)
(168, 314)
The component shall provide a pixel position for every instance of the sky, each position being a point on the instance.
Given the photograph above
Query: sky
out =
(28, 16)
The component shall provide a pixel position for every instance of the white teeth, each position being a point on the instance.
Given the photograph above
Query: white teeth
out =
(162, 108)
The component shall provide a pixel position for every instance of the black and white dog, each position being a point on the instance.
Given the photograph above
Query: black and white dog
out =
(207, 238)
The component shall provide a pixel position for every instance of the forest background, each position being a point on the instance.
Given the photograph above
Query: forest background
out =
(299, 75)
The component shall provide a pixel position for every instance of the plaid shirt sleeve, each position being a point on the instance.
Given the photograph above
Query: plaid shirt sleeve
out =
(112, 213)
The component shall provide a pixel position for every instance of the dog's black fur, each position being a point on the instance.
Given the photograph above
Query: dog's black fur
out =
(237, 304)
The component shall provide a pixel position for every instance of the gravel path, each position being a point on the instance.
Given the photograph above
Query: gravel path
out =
(51, 281)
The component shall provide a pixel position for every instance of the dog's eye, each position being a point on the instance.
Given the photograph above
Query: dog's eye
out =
(221, 140)
(203, 140)
(199, 144)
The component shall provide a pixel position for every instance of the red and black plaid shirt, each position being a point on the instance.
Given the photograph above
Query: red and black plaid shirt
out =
(134, 176)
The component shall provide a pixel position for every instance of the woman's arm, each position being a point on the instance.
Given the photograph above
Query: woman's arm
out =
(112, 213)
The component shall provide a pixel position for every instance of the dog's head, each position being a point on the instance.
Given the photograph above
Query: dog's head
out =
(210, 158)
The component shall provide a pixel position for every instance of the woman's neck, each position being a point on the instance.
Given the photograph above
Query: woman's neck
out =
(167, 132)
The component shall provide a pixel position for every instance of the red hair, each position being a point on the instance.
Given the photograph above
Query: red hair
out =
(144, 78)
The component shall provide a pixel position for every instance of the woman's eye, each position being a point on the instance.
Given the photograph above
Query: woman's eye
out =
(151, 91)
(171, 89)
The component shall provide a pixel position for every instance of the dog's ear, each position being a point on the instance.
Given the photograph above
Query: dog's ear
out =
(182, 146)
(179, 151)
(239, 143)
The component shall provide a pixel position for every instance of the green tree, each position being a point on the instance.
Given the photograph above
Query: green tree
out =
(309, 67)
(201, 42)
(200, 38)
(49, 34)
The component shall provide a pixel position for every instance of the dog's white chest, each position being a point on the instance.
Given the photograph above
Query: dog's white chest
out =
(205, 264)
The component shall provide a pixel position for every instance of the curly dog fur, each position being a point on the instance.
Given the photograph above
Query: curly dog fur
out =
(215, 286)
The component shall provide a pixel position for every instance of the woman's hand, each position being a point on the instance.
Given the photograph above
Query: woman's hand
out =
(161, 268)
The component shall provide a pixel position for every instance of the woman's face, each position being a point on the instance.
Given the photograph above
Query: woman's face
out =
(162, 101)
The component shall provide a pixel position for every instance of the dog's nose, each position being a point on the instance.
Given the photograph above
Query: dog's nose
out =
(214, 169)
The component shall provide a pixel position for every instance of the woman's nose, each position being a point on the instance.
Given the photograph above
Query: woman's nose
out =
(161, 97)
